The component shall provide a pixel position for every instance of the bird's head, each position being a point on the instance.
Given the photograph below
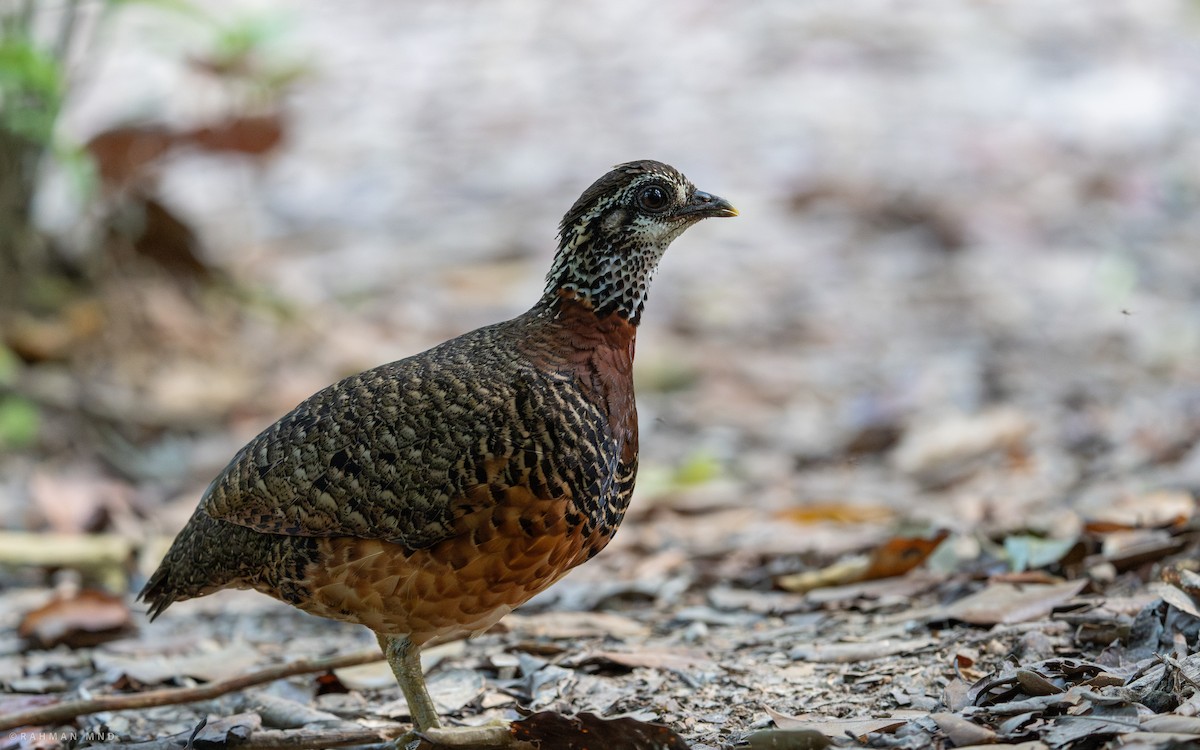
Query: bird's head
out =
(611, 240)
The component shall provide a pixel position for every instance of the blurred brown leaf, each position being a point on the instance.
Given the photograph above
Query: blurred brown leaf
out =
(73, 502)
(838, 513)
(900, 555)
(155, 233)
(255, 135)
(122, 154)
(1005, 603)
(1158, 509)
(895, 557)
(962, 732)
(209, 665)
(87, 618)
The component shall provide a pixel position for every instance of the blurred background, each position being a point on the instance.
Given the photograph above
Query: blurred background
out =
(964, 290)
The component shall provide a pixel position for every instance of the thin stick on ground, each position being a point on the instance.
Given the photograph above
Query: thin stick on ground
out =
(273, 739)
(66, 711)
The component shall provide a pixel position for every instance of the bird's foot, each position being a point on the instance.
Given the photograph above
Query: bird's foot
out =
(491, 736)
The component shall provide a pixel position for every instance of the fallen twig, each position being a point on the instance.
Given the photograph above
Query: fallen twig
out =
(290, 739)
(68, 710)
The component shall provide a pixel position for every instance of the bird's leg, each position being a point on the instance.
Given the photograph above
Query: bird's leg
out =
(405, 660)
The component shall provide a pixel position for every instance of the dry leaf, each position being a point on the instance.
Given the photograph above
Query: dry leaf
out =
(675, 661)
(253, 135)
(1172, 723)
(948, 449)
(961, 731)
(853, 653)
(837, 728)
(86, 618)
(1158, 509)
(895, 557)
(1177, 598)
(123, 154)
(1005, 603)
(844, 571)
(78, 501)
(208, 666)
(912, 584)
(838, 513)
(157, 234)
(899, 555)
(586, 731)
(574, 625)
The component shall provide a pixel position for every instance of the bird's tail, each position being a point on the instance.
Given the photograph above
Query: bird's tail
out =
(202, 559)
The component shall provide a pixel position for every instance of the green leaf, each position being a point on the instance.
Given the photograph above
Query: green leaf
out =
(31, 90)
(19, 422)
(699, 468)
(25, 68)
(1032, 552)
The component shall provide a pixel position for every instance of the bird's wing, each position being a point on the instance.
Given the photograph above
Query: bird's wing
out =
(397, 453)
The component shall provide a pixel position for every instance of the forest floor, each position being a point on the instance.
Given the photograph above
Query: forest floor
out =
(920, 430)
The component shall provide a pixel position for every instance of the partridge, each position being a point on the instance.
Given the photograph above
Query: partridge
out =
(428, 497)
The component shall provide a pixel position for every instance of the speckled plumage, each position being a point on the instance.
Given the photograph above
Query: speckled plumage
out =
(427, 497)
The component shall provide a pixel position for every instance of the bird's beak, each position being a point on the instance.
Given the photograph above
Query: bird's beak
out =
(703, 205)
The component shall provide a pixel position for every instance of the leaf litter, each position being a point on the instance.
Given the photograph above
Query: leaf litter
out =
(907, 492)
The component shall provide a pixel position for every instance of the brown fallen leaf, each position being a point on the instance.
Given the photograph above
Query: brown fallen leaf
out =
(838, 513)
(254, 135)
(946, 450)
(146, 229)
(86, 618)
(1156, 509)
(41, 338)
(895, 557)
(675, 661)
(75, 502)
(912, 584)
(845, 571)
(1126, 550)
(574, 625)
(1006, 603)
(587, 730)
(837, 728)
(209, 665)
(123, 154)
(899, 555)
(961, 732)
(853, 653)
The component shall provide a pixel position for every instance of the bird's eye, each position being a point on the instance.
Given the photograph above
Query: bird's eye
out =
(653, 199)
